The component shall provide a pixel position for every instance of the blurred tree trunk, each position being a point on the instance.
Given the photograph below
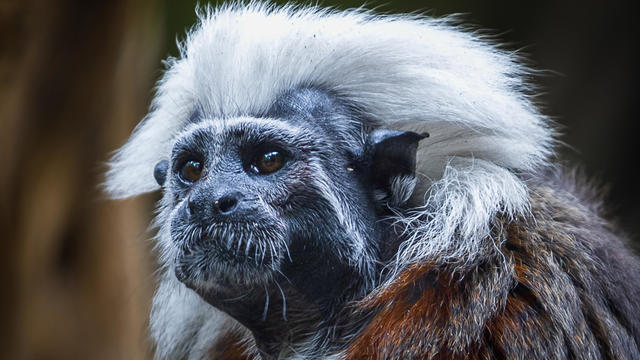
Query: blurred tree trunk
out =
(75, 268)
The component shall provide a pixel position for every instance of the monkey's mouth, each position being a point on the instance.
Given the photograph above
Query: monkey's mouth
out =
(227, 255)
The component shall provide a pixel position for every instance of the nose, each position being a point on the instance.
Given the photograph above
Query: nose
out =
(227, 203)
(204, 206)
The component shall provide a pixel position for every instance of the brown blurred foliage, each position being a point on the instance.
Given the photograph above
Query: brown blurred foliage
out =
(75, 269)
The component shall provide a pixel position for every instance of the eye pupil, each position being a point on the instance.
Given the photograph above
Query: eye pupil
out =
(268, 163)
(191, 171)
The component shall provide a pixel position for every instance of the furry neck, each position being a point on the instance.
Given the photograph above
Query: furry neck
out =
(284, 320)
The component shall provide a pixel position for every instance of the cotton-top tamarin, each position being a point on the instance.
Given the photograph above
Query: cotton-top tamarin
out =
(344, 185)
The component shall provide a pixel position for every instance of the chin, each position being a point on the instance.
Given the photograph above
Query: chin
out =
(220, 263)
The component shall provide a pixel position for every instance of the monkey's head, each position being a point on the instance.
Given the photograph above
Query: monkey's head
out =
(280, 180)
(297, 194)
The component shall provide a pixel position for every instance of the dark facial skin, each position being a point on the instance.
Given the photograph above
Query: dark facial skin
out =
(276, 222)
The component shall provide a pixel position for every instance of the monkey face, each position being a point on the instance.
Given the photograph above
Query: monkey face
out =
(234, 184)
(254, 199)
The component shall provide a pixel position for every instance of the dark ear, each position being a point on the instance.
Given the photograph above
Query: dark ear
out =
(160, 172)
(391, 153)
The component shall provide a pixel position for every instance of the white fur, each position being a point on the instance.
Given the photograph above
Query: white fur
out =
(182, 324)
(454, 223)
(407, 72)
(404, 72)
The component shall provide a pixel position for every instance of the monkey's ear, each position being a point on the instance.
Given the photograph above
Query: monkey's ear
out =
(391, 158)
(160, 172)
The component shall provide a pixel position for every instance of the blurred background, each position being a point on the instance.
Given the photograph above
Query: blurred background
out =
(76, 270)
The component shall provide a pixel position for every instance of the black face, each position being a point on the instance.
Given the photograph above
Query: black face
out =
(235, 187)
(287, 199)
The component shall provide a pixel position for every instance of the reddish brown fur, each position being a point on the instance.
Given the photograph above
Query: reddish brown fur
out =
(232, 346)
(546, 301)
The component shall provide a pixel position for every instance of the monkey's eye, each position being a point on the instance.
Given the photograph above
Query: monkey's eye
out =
(191, 171)
(268, 162)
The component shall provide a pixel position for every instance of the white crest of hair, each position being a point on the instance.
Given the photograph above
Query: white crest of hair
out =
(403, 72)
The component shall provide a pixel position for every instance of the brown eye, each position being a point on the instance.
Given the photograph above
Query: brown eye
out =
(191, 171)
(268, 163)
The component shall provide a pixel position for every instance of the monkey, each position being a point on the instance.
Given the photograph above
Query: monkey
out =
(348, 185)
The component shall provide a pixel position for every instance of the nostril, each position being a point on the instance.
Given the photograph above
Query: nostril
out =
(227, 204)
(190, 205)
